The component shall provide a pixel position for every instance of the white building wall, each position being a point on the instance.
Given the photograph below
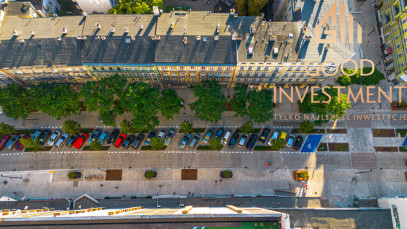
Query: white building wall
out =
(96, 6)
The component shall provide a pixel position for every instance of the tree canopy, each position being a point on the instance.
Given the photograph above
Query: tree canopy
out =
(186, 127)
(211, 101)
(71, 127)
(372, 79)
(257, 105)
(332, 108)
(136, 6)
(247, 127)
(306, 127)
(250, 7)
(143, 103)
(278, 144)
(57, 100)
(170, 103)
(6, 128)
(16, 101)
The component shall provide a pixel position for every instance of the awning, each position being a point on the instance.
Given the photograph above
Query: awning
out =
(311, 143)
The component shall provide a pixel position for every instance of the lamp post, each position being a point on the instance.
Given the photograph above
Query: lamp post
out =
(273, 170)
(369, 171)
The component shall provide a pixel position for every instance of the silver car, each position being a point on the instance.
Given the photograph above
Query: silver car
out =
(169, 137)
(61, 140)
(54, 138)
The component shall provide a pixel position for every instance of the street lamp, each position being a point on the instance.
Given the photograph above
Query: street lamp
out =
(273, 170)
(369, 171)
(11, 177)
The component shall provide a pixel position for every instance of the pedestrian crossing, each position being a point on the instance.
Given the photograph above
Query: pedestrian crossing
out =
(236, 152)
(124, 152)
(256, 127)
(51, 127)
(178, 151)
(10, 154)
(64, 152)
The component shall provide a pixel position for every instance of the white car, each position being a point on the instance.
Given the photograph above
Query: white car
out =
(54, 137)
(62, 140)
(161, 135)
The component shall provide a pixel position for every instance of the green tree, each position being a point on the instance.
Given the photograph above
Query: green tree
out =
(186, 127)
(306, 127)
(241, 6)
(143, 102)
(239, 100)
(6, 129)
(30, 144)
(226, 174)
(247, 127)
(257, 105)
(344, 80)
(254, 7)
(157, 144)
(278, 144)
(170, 103)
(357, 78)
(16, 101)
(56, 100)
(136, 6)
(126, 127)
(332, 108)
(150, 174)
(71, 127)
(105, 96)
(215, 144)
(211, 101)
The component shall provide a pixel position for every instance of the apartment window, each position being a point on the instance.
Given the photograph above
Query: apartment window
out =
(256, 74)
(404, 21)
(399, 55)
(289, 80)
(298, 69)
(258, 69)
(110, 68)
(126, 68)
(181, 68)
(119, 68)
(250, 68)
(386, 36)
(266, 68)
(211, 68)
(405, 29)
(297, 80)
(219, 68)
(395, 28)
(401, 64)
(241, 68)
(396, 10)
(202, 68)
(228, 68)
(396, 37)
(248, 74)
(387, 17)
(263, 74)
(143, 69)
(398, 46)
(290, 69)
(94, 68)
(285, 74)
(192, 68)
(240, 74)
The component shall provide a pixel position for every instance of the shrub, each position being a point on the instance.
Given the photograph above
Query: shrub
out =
(150, 174)
(186, 127)
(74, 175)
(226, 174)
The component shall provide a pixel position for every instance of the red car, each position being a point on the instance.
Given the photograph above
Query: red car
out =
(80, 140)
(3, 141)
(19, 145)
(120, 140)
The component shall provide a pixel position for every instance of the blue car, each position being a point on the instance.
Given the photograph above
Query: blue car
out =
(102, 138)
(184, 141)
(94, 136)
(219, 133)
(149, 137)
(208, 135)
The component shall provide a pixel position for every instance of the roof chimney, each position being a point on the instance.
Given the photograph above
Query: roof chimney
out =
(64, 31)
(32, 33)
(112, 29)
(141, 26)
(15, 33)
(185, 30)
(185, 40)
(172, 25)
(84, 14)
(216, 38)
(98, 25)
(126, 30)
(217, 28)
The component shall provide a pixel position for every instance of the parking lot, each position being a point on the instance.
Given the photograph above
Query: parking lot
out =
(173, 147)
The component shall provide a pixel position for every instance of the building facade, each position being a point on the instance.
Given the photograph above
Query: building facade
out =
(96, 6)
(393, 26)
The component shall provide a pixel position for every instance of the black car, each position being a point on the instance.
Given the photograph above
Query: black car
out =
(127, 142)
(71, 140)
(298, 143)
(44, 136)
(233, 140)
(113, 136)
(138, 140)
(252, 141)
(264, 135)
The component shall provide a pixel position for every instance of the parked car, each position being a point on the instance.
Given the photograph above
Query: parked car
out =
(120, 140)
(298, 143)
(44, 136)
(61, 140)
(283, 135)
(273, 137)
(264, 135)
(80, 140)
(290, 140)
(194, 140)
(94, 136)
(226, 137)
(102, 138)
(3, 140)
(161, 135)
(252, 141)
(128, 141)
(219, 133)
(113, 136)
(36, 135)
(71, 140)
(19, 145)
(137, 141)
(149, 137)
(233, 140)
(169, 137)
(208, 135)
(54, 138)
(12, 141)
(243, 140)
(184, 141)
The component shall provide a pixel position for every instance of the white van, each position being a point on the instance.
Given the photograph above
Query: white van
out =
(226, 137)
